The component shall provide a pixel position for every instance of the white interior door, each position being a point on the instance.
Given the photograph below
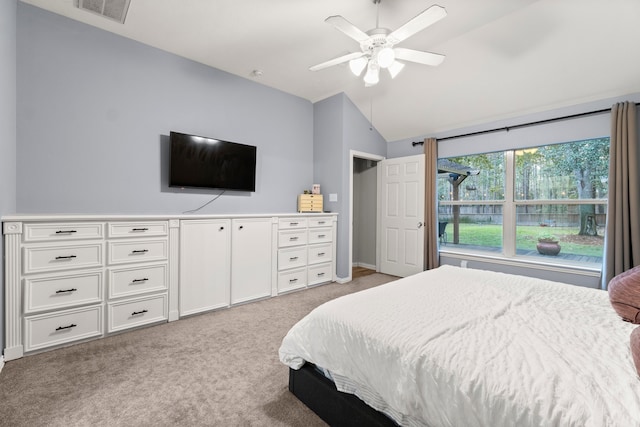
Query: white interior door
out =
(402, 215)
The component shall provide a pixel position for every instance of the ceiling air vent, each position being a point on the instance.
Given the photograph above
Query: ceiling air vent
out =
(112, 9)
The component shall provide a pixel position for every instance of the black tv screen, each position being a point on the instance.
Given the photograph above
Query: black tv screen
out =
(201, 162)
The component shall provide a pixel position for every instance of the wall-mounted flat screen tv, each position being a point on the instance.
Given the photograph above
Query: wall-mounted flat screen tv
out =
(201, 162)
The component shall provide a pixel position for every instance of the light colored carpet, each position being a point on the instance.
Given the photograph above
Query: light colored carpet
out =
(216, 369)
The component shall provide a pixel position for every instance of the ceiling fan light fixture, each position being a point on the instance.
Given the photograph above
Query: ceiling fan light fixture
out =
(373, 74)
(358, 65)
(395, 68)
(385, 57)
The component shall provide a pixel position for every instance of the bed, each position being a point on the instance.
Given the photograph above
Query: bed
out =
(466, 347)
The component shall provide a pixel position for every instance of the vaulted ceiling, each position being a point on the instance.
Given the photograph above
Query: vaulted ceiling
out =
(504, 58)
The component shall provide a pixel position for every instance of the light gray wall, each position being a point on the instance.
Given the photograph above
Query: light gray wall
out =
(7, 124)
(559, 131)
(340, 127)
(327, 150)
(95, 109)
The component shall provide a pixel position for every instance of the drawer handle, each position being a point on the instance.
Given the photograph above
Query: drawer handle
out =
(140, 229)
(321, 222)
(321, 236)
(140, 280)
(66, 231)
(61, 328)
(293, 280)
(62, 291)
(135, 313)
(291, 224)
(320, 253)
(293, 258)
(66, 257)
(140, 251)
(320, 274)
(293, 239)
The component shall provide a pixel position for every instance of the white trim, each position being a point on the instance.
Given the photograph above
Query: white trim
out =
(1, 363)
(367, 156)
(343, 280)
(365, 265)
(524, 263)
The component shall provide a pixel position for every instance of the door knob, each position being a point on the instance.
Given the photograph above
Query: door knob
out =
(419, 225)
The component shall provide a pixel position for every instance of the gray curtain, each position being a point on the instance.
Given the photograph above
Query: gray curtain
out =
(622, 245)
(430, 209)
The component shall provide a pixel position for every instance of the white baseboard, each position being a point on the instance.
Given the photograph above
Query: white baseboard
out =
(1, 363)
(343, 280)
(364, 265)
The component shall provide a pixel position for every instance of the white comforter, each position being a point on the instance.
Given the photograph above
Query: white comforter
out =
(464, 347)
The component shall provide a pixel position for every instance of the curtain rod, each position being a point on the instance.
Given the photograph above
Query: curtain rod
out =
(524, 125)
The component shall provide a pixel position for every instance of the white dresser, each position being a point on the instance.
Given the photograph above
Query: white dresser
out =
(305, 251)
(138, 274)
(63, 279)
(74, 278)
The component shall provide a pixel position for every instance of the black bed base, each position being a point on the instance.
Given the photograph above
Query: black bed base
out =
(335, 408)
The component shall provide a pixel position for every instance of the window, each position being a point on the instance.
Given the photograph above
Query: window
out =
(516, 203)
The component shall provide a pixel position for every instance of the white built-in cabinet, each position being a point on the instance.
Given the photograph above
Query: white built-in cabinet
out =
(251, 259)
(205, 265)
(73, 278)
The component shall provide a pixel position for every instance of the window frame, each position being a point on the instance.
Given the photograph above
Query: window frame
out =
(510, 206)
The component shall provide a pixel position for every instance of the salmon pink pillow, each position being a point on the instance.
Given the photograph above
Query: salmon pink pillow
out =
(624, 294)
(635, 348)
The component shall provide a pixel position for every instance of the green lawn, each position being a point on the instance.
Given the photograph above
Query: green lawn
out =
(527, 236)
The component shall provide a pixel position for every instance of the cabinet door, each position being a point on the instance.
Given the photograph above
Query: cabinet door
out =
(204, 265)
(251, 259)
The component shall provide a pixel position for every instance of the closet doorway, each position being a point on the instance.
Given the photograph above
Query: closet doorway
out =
(363, 239)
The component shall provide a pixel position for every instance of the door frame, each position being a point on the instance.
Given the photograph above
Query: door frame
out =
(353, 154)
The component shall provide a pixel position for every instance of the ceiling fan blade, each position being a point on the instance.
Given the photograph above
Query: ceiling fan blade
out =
(426, 58)
(336, 61)
(348, 28)
(418, 23)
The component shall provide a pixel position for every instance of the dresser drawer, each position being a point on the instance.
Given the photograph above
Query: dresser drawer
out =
(62, 291)
(43, 258)
(138, 229)
(320, 221)
(292, 257)
(319, 274)
(46, 330)
(320, 253)
(51, 232)
(125, 251)
(137, 280)
(292, 279)
(137, 312)
(287, 223)
(320, 235)
(292, 238)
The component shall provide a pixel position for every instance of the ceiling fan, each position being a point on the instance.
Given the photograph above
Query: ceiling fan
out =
(378, 46)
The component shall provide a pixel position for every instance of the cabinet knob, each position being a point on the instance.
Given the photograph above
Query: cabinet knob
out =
(241, 227)
(221, 228)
